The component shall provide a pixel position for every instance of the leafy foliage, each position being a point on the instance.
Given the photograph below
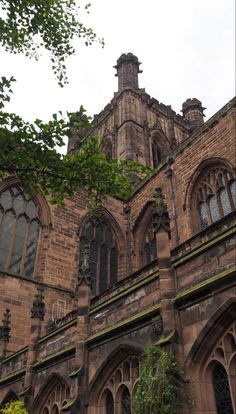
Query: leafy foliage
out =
(15, 407)
(157, 387)
(28, 25)
(28, 151)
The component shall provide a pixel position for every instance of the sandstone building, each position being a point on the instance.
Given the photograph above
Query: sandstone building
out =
(162, 267)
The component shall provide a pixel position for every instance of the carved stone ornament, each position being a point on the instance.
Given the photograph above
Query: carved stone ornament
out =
(5, 328)
(84, 269)
(38, 308)
(160, 216)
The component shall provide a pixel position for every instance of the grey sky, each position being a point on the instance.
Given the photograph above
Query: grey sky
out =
(186, 48)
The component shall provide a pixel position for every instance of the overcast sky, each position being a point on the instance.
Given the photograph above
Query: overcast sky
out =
(186, 48)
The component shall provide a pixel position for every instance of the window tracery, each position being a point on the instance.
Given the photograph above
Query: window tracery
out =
(215, 195)
(223, 373)
(118, 393)
(57, 398)
(103, 254)
(19, 230)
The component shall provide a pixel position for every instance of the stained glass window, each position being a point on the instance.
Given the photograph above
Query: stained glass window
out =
(103, 254)
(19, 229)
(109, 403)
(215, 192)
(222, 390)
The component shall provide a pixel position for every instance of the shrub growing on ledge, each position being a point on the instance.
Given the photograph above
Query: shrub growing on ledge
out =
(15, 407)
(157, 385)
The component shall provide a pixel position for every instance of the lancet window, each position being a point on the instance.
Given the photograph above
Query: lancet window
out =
(19, 230)
(103, 254)
(216, 195)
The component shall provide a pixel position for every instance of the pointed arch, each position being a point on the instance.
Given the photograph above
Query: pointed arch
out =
(55, 391)
(10, 396)
(210, 359)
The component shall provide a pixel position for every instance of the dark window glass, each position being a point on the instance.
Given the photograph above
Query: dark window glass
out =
(203, 215)
(113, 265)
(156, 157)
(103, 254)
(109, 403)
(19, 231)
(125, 402)
(7, 228)
(103, 280)
(222, 391)
(225, 203)
(214, 209)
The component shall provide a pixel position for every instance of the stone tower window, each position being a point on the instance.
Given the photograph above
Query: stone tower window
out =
(103, 254)
(215, 195)
(19, 229)
(221, 390)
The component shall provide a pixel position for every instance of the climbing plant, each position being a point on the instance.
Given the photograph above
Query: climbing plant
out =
(157, 386)
(14, 407)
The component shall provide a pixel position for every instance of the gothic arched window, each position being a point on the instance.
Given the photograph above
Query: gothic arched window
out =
(150, 249)
(103, 254)
(222, 390)
(56, 399)
(19, 229)
(215, 195)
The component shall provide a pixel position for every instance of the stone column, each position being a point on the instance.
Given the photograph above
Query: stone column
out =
(37, 316)
(166, 274)
(5, 334)
(81, 358)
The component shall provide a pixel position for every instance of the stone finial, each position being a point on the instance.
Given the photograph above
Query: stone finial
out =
(84, 269)
(5, 328)
(127, 71)
(161, 216)
(38, 308)
(193, 112)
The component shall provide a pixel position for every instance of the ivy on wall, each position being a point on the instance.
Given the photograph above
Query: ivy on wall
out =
(15, 407)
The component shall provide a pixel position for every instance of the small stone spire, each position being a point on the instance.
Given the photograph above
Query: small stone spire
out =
(193, 112)
(127, 71)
